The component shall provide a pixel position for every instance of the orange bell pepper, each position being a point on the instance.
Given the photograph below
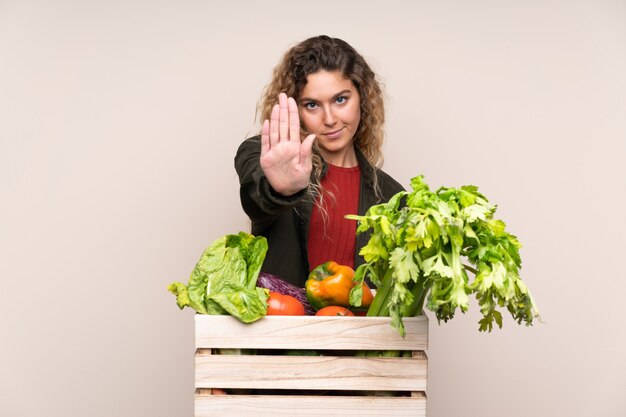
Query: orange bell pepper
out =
(330, 284)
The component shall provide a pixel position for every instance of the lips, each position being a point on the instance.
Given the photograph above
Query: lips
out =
(334, 134)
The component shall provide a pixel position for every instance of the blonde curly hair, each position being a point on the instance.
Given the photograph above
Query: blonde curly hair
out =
(331, 54)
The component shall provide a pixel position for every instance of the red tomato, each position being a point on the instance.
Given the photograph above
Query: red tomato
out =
(284, 305)
(334, 311)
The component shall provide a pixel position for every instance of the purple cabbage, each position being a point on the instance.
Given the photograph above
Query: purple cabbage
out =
(276, 284)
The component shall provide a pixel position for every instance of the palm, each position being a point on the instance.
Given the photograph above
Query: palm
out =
(282, 164)
(285, 160)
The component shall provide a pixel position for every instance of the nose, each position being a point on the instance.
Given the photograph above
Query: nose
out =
(329, 116)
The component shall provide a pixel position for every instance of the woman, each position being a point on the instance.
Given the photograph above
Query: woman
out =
(316, 159)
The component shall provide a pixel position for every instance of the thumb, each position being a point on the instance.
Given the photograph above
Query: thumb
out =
(306, 151)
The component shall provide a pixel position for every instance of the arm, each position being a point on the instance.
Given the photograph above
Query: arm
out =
(258, 198)
(274, 172)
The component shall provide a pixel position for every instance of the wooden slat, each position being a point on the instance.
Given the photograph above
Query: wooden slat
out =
(308, 406)
(310, 332)
(311, 372)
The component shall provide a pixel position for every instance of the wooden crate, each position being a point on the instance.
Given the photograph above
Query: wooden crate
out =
(335, 382)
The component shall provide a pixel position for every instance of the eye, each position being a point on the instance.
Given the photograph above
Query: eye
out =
(310, 105)
(341, 99)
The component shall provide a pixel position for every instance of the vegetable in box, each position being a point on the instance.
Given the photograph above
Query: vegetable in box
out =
(420, 246)
(224, 279)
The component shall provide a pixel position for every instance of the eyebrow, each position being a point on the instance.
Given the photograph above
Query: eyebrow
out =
(339, 94)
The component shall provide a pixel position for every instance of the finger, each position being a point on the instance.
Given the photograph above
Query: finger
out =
(294, 119)
(265, 137)
(274, 126)
(306, 151)
(284, 117)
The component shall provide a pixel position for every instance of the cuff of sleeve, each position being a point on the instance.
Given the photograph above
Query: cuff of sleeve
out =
(273, 197)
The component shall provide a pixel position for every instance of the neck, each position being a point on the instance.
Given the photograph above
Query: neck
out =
(345, 159)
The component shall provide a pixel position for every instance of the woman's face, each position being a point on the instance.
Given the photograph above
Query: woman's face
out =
(330, 108)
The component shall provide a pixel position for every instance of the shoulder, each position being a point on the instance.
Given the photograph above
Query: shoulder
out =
(388, 185)
(377, 180)
(247, 157)
(250, 145)
(248, 153)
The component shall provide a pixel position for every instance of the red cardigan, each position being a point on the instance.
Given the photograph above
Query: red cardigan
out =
(332, 237)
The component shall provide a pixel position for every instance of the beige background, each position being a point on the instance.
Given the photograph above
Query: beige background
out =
(118, 124)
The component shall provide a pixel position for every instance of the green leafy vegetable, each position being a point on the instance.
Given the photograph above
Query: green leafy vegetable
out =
(419, 243)
(224, 279)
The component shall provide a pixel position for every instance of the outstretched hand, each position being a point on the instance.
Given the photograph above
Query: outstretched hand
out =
(285, 160)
